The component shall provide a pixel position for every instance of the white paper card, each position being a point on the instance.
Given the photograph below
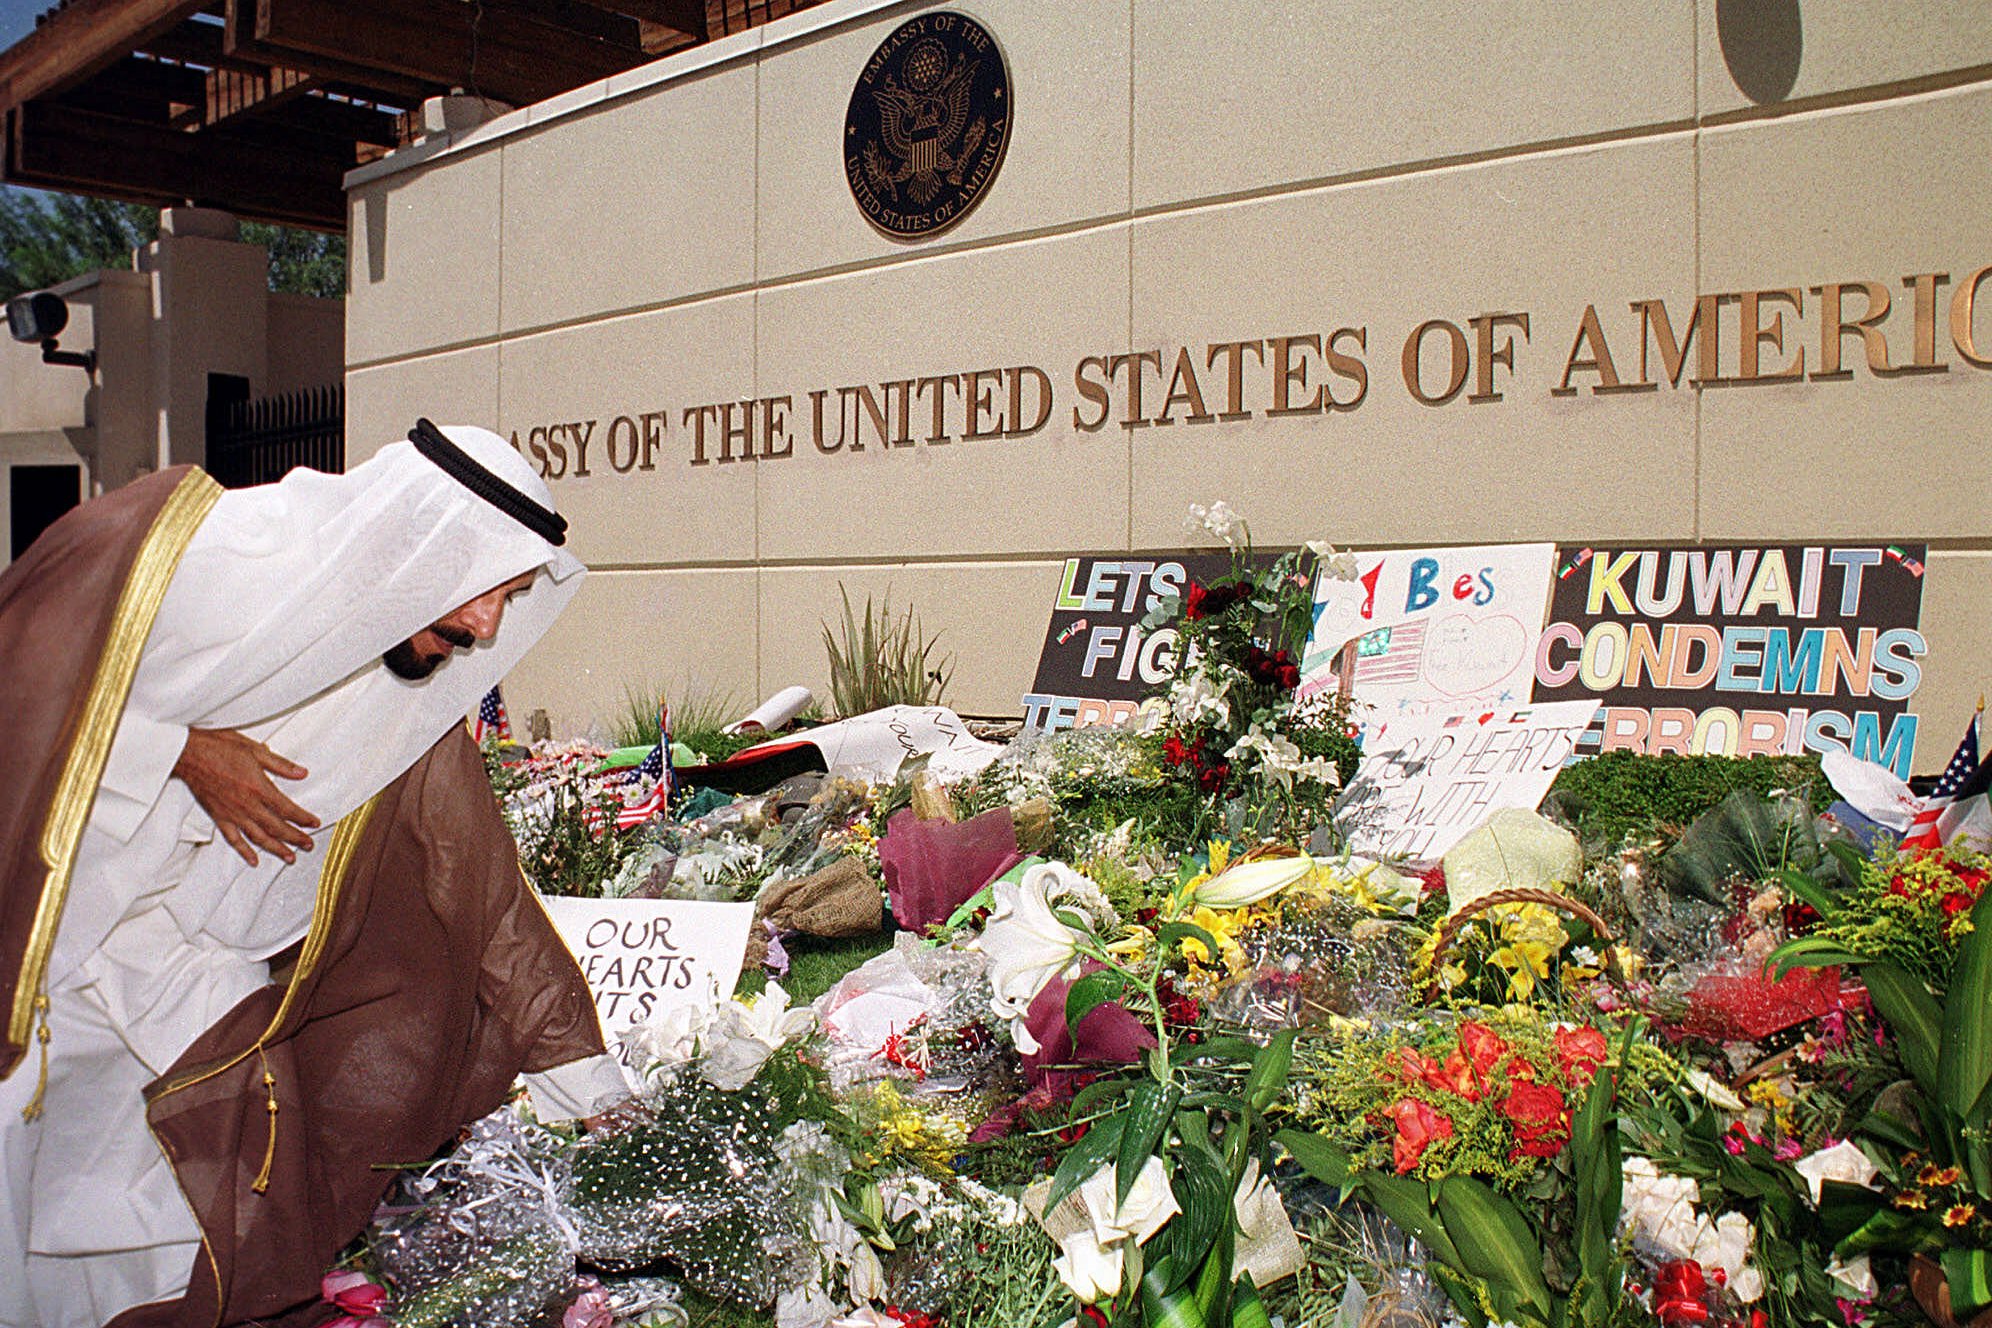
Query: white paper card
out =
(1426, 780)
(644, 956)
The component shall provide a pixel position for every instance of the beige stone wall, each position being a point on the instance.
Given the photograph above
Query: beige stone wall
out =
(1186, 175)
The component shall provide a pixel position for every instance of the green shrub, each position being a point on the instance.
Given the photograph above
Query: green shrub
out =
(880, 660)
(1616, 794)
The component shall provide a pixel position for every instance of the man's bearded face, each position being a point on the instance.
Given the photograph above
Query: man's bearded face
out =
(409, 661)
(459, 629)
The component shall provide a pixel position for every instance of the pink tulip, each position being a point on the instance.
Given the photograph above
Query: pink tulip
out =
(590, 1310)
(356, 1293)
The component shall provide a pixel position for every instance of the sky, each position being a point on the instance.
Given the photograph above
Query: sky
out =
(17, 18)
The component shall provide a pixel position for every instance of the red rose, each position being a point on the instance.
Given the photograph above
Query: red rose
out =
(1173, 751)
(1956, 902)
(1193, 603)
(1418, 1127)
(1470, 1064)
(1540, 1117)
(1582, 1051)
(1680, 1293)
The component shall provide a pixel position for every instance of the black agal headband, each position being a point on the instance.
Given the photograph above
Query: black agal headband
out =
(430, 442)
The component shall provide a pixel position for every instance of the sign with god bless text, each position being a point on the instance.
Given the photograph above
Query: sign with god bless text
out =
(644, 956)
(1435, 629)
(1739, 650)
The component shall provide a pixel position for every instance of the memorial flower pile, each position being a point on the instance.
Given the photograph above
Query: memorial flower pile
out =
(1138, 1040)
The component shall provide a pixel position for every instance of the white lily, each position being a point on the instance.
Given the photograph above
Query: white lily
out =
(1246, 883)
(1089, 1271)
(668, 1040)
(1854, 1279)
(741, 1037)
(1220, 520)
(1027, 945)
(1149, 1204)
(1842, 1162)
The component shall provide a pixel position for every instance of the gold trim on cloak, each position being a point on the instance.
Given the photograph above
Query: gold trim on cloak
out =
(331, 882)
(76, 789)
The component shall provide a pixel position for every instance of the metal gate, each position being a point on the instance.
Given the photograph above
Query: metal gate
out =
(257, 442)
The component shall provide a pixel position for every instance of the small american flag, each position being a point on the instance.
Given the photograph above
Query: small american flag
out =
(492, 721)
(656, 767)
(1923, 832)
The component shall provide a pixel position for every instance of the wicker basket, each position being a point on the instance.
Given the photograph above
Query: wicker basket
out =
(1450, 928)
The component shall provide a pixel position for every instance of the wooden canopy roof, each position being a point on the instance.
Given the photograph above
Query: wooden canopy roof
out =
(262, 106)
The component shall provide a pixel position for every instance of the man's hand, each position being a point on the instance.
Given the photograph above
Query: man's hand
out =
(229, 775)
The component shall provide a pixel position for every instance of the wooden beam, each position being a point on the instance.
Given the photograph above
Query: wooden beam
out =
(80, 39)
(231, 93)
(687, 17)
(239, 42)
(137, 89)
(61, 147)
(339, 121)
(495, 53)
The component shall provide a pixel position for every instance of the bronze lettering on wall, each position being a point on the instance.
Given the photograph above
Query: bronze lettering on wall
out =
(1767, 337)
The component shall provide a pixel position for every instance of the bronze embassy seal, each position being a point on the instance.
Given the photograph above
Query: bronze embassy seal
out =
(929, 120)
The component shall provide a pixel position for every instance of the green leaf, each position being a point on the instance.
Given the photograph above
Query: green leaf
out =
(1811, 890)
(1269, 1070)
(1845, 1208)
(1964, 1056)
(1225, 1048)
(1812, 952)
(1084, 1158)
(1098, 1093)
(1205, 1198)
(1316, 1156)
(1165, 1306)
(1494, 1240)
(1175, 933)
(1890, 1129)
(1893, 1231)
(1149, 1109)
(1968, 1274)
(1089, 994)
(1912, 1012)
(1403, 1201)
(1459, 1289)
(1213, 1282)
(1247, 1311)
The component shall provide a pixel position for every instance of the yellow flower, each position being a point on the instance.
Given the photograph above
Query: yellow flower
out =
(1223, 927)
(1134, 946)
(1959, 1214)
(1932, 1176)
(1531, 936)
(1911, 1199)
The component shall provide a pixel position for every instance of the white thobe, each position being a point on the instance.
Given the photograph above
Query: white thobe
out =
(164, 931)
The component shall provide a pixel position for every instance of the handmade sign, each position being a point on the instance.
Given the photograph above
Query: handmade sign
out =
(1426, 780)
(644, 956)
(1097, 664)
(1738, 650)
(1436, 630)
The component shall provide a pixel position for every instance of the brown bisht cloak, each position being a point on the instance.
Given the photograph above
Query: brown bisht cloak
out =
(429, 979)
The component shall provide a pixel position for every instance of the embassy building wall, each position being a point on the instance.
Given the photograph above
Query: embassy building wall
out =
(1386, 275)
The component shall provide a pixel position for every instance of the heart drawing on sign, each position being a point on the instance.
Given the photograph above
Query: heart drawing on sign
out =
(1465, 655)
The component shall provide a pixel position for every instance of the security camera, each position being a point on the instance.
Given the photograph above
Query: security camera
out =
(41, 317)
(37, 317)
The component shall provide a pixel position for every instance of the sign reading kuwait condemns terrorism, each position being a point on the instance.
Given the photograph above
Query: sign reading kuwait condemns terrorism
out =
(928, 123)
(1740, 649)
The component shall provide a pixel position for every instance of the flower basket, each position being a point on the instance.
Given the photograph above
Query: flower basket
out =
(1927, 1285)
(1450, 928)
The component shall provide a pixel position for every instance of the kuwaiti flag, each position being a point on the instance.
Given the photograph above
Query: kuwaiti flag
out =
(1959, 785)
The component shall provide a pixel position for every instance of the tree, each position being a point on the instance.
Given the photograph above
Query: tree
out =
(48, 238)
(301, 262)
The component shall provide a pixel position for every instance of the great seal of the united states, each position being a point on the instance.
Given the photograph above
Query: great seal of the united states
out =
(928, 124)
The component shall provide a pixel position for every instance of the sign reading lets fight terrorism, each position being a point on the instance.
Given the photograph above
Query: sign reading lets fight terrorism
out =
(1097, 665)
(1740, 650)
